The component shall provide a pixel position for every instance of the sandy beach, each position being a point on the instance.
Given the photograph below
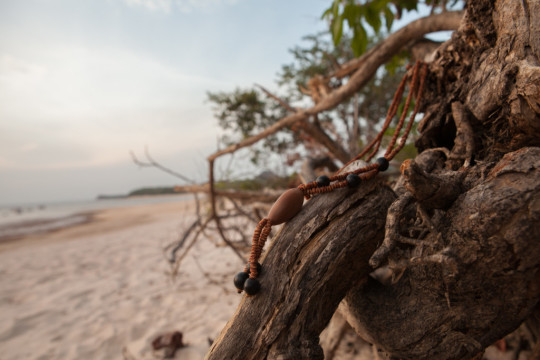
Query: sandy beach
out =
(102, 289)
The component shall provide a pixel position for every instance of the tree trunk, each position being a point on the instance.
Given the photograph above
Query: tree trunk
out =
(461, 228)
(306, 273)
(473, 279)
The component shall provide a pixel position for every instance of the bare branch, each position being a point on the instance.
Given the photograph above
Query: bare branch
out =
(364, 69)
(355, 135)
(319, 135)
(214, 216)
(272, 129)
(152, 163)
(244, 195)
(242, 211)
(278, 99)
(396, 41)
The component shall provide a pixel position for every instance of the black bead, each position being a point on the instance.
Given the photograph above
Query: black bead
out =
(259, 268)
(240, 279)
(323, 180)
(252, 286)
(383, 163)
(353, 180)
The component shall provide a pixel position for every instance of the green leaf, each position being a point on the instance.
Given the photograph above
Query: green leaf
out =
(408, 4)
(351, 13)
(337, 30)
(372, 18)
(335, 9)
(326, 13)
(397, 61)
(389, 18)
(359, 41)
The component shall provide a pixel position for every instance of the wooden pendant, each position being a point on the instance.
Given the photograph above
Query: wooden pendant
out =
(286, 206)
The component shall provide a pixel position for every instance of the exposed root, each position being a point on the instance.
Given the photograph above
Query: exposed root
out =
(392, 236)
(463, 149)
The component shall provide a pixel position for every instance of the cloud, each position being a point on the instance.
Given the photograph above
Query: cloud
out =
(184, 6)
(28, 147)
(84, 106)
(10, 65)
(152, 5)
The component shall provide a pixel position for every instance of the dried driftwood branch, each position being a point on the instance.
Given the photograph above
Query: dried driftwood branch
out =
(150, 162)
(305, 276)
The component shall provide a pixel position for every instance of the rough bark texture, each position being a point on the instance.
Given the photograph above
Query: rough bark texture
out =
(459, 265)
(476, 281)
(306, 273)
(465, 255)
(492, 66)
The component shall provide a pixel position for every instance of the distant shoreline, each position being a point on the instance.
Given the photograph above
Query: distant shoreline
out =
(147, 191)
(19, 230)
(48, 220)
(127, 197)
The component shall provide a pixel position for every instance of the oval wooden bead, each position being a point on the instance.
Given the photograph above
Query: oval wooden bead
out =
(286, 206)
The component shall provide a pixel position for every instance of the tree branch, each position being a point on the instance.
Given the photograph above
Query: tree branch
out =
(364, 69)
(306, 273)
(278, 99)
(319, 135)
(396, 41)
(152, 163)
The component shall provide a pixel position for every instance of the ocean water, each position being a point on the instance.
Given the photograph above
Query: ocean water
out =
(20, 220)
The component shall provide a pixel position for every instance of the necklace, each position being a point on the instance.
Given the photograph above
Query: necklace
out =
(291, 201)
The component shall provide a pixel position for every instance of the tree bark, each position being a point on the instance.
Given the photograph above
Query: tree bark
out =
(476, 279)
(459, 266)
(306, 273)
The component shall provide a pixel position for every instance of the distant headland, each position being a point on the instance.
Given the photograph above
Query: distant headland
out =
(146, 191)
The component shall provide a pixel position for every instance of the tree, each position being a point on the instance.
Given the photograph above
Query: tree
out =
(459, 231)
(323, 139)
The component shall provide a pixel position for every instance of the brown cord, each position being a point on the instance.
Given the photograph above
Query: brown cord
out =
(413, 115)
(338, 180)
(260, 245)
(255, 243)
(412, 90)
(389, 116)
(259, 239)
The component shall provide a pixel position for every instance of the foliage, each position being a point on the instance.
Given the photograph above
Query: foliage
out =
(245, 112)
(264, 180)
(148, 191)
(153, 191)
(242, 111)
(366, 16)
(319, 57)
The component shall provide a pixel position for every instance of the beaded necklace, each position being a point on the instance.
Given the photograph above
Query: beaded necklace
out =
(291, 201)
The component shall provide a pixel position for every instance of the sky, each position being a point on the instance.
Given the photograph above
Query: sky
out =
(83, 83)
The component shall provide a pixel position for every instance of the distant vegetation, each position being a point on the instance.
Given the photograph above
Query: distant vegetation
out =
(147, 191)
(153, 191)
(266, 179)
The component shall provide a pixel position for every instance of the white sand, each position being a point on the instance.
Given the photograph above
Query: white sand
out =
(98, 290)
(101, 290)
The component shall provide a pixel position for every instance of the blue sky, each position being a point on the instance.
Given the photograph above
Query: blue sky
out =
(84, 82)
